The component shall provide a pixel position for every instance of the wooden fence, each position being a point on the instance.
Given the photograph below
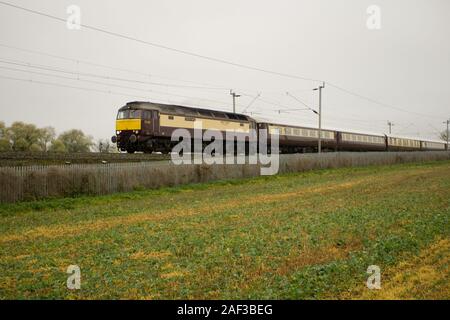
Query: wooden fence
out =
(40, 182)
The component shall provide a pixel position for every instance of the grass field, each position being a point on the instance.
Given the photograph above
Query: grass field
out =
(297, 236)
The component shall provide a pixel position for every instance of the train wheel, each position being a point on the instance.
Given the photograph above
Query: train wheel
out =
(131, 151)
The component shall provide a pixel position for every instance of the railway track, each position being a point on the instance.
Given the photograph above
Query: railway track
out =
(48, 158)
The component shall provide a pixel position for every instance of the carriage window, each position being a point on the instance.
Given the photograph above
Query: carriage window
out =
(205, 113)
(219, 115)
(170, 117)
(190, 111)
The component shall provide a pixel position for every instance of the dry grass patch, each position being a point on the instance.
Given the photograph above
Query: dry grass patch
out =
(140, 255)
(426, 276)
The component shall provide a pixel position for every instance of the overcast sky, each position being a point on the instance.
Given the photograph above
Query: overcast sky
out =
(405, 64)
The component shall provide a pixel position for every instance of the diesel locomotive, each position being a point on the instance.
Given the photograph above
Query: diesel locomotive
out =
(148, 127)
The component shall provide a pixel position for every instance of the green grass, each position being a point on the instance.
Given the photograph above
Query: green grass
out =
(307, 235)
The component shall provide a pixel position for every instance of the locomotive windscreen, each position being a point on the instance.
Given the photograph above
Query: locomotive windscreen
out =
(129, 114)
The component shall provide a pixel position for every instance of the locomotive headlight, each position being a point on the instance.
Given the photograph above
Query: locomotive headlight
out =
(133, 138)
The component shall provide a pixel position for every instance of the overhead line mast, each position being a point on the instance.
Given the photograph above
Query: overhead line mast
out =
(447, 122)
(319, 147)
(390, 124)
(235, 95)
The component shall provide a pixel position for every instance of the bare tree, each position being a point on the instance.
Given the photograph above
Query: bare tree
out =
(103, 146)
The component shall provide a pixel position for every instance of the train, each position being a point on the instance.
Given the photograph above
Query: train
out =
(147, 127)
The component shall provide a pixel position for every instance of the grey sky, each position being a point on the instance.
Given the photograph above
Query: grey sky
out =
(406, 64)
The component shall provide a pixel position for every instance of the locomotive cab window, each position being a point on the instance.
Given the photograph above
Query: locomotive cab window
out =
(129, 114)
(122, 114)
(146, 114)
